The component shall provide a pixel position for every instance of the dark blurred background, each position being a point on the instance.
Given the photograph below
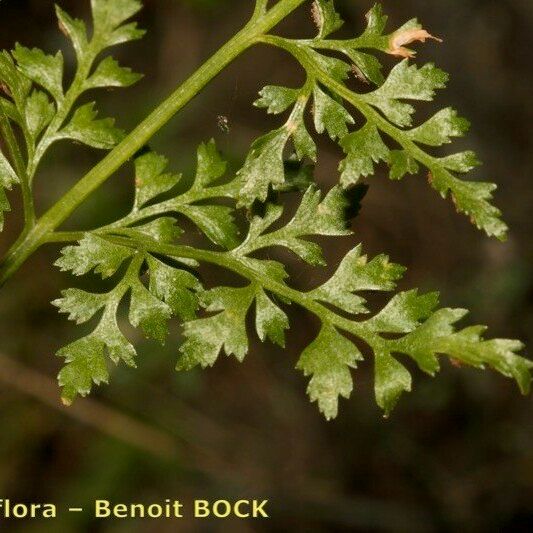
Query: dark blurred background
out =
(457, 453)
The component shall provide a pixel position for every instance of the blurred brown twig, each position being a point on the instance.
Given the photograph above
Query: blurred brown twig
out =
(88, 411)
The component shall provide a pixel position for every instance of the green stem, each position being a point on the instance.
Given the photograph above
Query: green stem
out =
(20, 169)
(260, 8)
(229, 190)
(60, 237)
(58, 213)
(398, 135)
(64, 107)
(238, 264)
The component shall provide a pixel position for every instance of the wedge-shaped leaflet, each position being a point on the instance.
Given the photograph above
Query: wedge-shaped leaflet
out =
(206, 337)
(93, 252)
(215, 221)
(80, 305)
(86, 129)
(276, 99)
(110, 74)
(265, 166)
(151, 180)
(404, 312)
(85, 358)
(39, 112)
(170, 291)
(363, 149)
(226, 330)
(366, 66)
(271, 322)
(320, 216)
(329, 360)
(391, 379)
(75, 29)
(356, 274)
(438, 336)
(440, 128)
(472, 198)
(402, 163)
(462, 162)
(406, 82)
(314, 216)
(148, 312)
(210, 165)
(45, 70)
(326, 17)
(330, 115)
(13, 83)
(176, 287)
(85, 365)
(108, 18)
(8, 178)
(162, 229)
(338, 69)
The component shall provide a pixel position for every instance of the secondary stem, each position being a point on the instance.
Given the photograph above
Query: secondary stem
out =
(398, 135)
(58, 213)
(237, 264)
(20, 168)
(64, 108)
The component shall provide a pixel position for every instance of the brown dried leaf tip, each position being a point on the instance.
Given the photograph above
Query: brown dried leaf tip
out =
(316, 15)
(66, 402)
(399, 39)
(358, 73)
(62, 28)
(5, 89)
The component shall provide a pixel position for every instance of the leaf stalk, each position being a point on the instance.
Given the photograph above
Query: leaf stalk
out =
(261, 22)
